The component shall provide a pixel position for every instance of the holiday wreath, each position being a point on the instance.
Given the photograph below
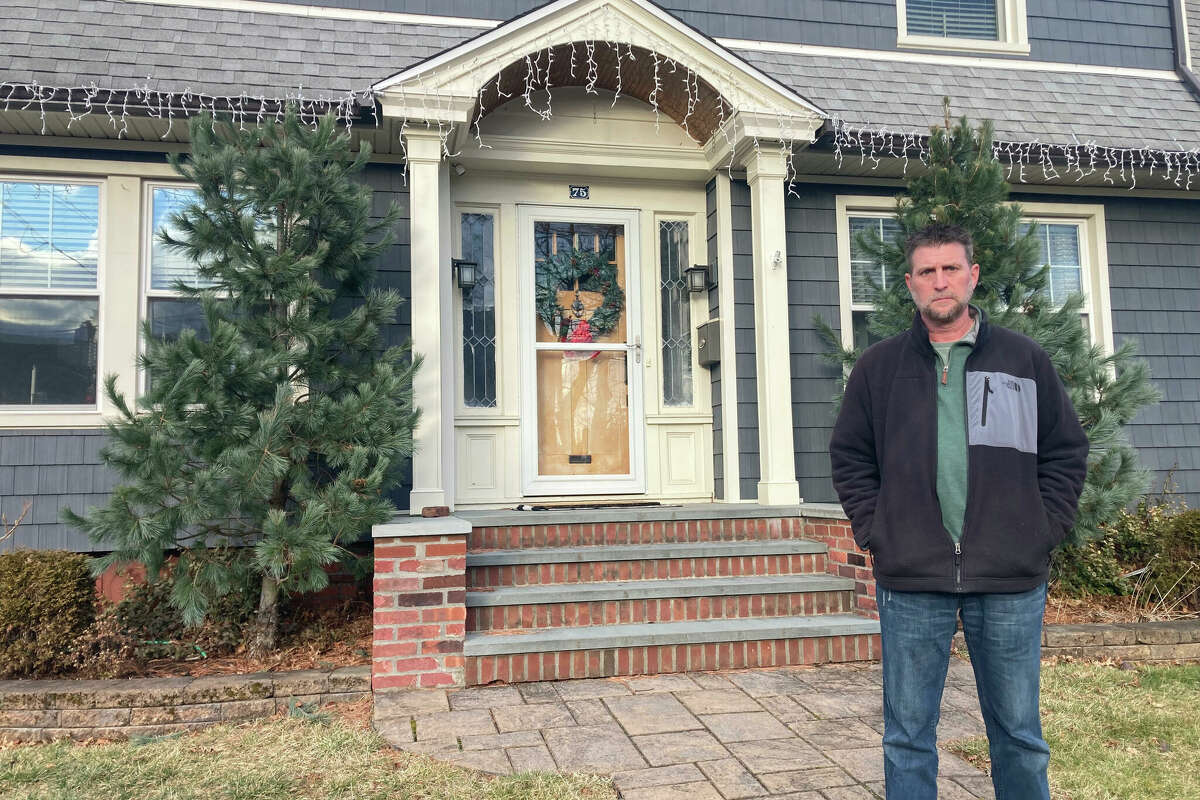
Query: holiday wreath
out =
(583, 271)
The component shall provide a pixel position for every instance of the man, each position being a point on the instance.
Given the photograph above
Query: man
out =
(959, 460)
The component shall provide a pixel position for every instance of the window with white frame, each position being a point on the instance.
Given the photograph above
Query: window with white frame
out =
(1071, 242)
(983, 25)
(676, 311)
(50, 279)
(168, 312)
(477, 244)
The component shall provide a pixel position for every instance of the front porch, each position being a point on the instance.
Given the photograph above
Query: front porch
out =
(518, 596)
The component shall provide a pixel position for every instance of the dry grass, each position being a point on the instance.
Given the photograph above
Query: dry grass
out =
(280, 759)
(1117, 734)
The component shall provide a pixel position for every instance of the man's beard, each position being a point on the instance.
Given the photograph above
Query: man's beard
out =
(937, 314)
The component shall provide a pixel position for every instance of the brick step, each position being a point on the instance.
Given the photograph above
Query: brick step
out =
(573, 534)
(658, 601)
(571, 565)
(647, 649)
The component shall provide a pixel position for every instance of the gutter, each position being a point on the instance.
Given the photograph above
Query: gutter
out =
(1181, 46)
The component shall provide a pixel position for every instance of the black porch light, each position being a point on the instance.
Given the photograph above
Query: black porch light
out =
(465, 271)
(697, 278)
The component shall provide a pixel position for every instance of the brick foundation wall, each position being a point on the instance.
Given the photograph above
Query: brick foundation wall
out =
(420, 604)
(845, 559)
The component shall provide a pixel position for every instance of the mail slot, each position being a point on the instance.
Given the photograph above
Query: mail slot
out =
(708, 343)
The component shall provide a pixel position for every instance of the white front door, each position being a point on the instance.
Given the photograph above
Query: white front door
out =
(581, 352)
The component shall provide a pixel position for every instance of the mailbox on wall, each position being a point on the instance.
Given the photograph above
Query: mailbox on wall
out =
(708, 343)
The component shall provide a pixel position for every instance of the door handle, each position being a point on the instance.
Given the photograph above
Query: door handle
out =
(636, 347)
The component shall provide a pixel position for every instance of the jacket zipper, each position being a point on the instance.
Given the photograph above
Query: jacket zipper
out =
(958, 566)
(987, 389)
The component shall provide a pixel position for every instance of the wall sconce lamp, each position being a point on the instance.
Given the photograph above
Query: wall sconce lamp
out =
(697, 278)
(465, 272)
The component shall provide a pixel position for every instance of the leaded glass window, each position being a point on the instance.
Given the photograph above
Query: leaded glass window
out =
(49, 292)
(676, 313)
(479, 313)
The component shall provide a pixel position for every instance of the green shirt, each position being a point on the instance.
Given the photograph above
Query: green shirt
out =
(952, 429)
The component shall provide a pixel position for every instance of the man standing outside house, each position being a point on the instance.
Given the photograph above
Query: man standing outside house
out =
(959, 460)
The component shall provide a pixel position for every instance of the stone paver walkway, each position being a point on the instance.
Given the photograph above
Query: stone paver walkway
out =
(801, 733)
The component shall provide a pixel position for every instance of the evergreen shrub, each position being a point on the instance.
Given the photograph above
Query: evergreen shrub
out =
(47, 600)
(1175, 572)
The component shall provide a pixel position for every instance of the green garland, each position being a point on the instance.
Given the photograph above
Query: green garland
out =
(595, 273)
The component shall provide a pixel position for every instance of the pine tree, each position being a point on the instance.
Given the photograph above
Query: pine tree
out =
(964, 185)
(278, 431)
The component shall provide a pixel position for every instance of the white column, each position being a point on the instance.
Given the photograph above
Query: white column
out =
(730, 446)
(766, 171)
(431, 306)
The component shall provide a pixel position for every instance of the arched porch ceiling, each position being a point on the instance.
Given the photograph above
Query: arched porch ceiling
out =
(701, 85)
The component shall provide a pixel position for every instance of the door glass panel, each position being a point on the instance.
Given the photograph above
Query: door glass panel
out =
(580, 282)
(583, 412)
(582, 393)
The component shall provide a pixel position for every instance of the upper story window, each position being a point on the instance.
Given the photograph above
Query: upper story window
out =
(49, 293)
(995, 26)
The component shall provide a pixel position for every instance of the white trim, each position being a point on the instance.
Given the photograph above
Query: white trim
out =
(731, 470)
(946, 60)
(323, 12)
(533, 484)
(1093, 254)
(1012, 33)
(1182, 17)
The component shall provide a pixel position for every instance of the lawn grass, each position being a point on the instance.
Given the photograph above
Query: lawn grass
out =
(1117, 734)
(280, 759)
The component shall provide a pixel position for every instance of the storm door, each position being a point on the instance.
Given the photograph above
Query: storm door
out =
(581, 405)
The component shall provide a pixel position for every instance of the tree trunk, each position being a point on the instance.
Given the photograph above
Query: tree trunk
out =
(262, 633)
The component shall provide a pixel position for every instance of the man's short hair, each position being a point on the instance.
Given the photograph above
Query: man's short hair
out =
(939, 233)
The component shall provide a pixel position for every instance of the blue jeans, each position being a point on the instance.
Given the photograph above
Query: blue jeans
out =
(1004, 635)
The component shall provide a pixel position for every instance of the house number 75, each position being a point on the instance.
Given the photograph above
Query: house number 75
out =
(579, 193)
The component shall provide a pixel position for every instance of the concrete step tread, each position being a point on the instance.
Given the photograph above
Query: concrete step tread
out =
(642, 552)
(670, 587)
(546, 640)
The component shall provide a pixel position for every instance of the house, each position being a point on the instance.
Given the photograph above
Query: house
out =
(637, 140)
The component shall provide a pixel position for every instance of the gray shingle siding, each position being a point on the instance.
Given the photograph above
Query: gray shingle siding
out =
(812, 291)
(743, 321)
(714, 311)
(1154, 281)
(1119, 33)
(51, 469)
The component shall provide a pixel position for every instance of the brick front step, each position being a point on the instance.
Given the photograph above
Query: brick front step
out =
(574, 534)
(571, 565)
(854, 639)
(676, 609)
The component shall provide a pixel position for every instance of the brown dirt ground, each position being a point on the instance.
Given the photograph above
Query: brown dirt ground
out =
(1061, 610)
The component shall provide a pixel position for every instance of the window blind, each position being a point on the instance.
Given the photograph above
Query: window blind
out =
(954, 19)
(49, 235)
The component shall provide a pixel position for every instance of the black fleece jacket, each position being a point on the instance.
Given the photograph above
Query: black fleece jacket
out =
(1027, 457)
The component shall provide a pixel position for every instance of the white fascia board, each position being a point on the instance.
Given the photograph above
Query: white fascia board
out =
(976, 62)
(326, 12)
(696, 38)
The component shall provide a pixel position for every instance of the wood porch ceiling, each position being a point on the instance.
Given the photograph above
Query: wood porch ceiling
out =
(699, 111)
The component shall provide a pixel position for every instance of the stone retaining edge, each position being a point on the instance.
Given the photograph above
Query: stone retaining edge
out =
(1149, 642)
(40, 711)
